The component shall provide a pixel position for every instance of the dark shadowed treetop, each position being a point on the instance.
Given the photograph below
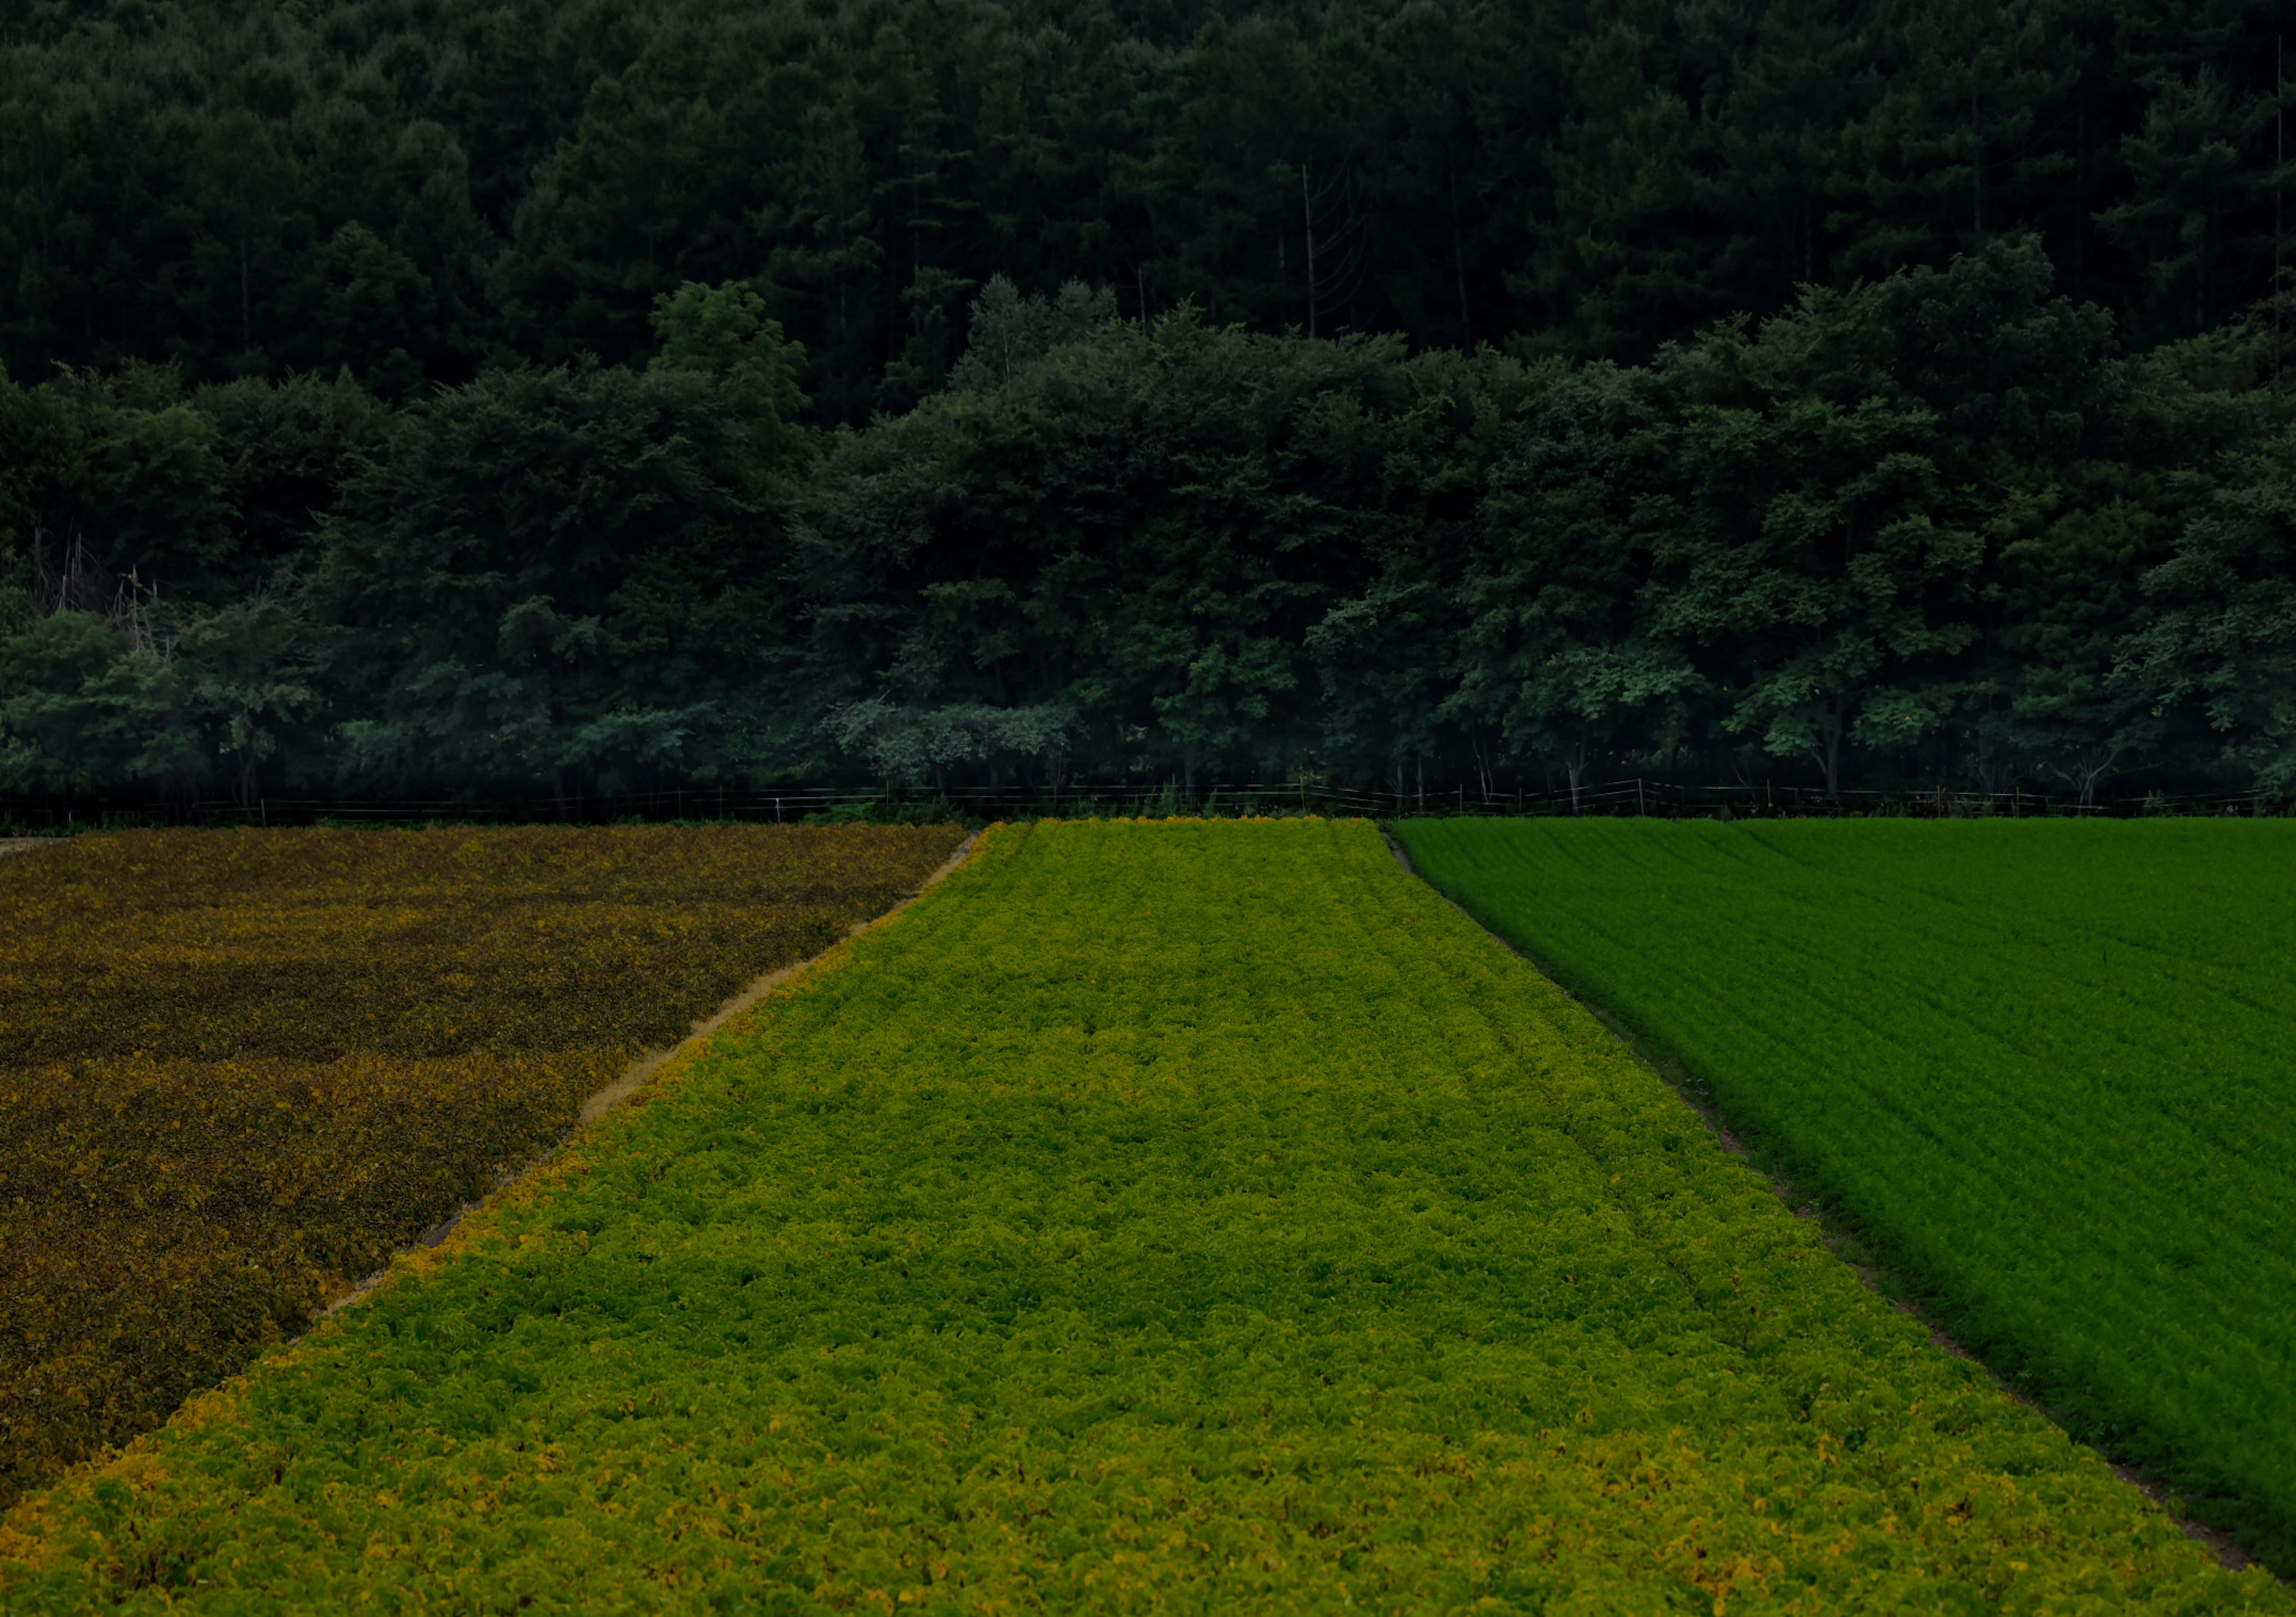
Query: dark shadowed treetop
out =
(418, 190)
(502, 395)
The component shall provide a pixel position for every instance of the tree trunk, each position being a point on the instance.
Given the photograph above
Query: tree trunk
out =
(1282, 280)
(1307, 210)
(1829, 758)
(1976, 169)
(1458, 237)
(246, 304)
(43, 589)
(1459, 267)
(2092, 767)
(2080, 185)
(2201, 275)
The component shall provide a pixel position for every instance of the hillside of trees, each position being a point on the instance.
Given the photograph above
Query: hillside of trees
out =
(439, 396)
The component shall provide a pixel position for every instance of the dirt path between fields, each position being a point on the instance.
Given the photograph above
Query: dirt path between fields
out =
(21, 844)
(2227, 1548)
(635, 1076)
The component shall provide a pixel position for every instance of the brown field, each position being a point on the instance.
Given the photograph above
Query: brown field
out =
(238, 1069)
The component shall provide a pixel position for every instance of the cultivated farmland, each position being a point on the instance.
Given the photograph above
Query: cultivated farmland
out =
(237, 1069)
(2047, 1069)
(1178, 1216)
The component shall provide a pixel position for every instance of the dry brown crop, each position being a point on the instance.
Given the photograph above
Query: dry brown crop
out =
(238, 1067)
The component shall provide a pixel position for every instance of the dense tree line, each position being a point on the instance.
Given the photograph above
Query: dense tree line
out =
(515, 395)
(422, 189)
(1945, 526)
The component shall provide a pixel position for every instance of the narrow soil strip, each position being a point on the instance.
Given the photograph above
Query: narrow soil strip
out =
(2227, 1548)
(636, 1074)
(21, 844)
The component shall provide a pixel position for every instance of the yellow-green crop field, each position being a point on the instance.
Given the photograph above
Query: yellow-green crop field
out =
(238, 1069)
(1156, 1217)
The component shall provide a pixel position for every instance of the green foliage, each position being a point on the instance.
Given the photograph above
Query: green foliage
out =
(1191, 1215)
(248, 665)
(909, 745)
(416, 193)
(288, 448)
(2040, 1066)
(1143, 527)
(1009, 332)
(1936, 528)
(113, 475)
(2223, 641)
(153, 628)
(80, 706)
(722, 331)
(556, 576)
(1790, 542)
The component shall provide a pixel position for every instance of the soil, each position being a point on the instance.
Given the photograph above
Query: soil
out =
(2227, 1548)
(21, 844)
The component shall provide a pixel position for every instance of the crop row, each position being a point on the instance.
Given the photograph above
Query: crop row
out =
(1172, 1216)
(2043, 1069)
(238, 1069)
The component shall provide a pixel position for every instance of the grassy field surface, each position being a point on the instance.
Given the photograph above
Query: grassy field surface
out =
(238, 1067)
(2047, 1068)
(1175, 1217)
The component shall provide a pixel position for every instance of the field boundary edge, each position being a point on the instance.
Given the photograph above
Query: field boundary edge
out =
(639, 1073)
(1838, 1232)
(138, 1458)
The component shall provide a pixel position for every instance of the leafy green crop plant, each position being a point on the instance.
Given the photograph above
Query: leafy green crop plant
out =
(1180, 1216)
(2045, 1069)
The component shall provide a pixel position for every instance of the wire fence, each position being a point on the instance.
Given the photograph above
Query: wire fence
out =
(799, 804)
(1674, 799)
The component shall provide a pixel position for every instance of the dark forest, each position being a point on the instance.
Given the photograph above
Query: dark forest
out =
(523, 400)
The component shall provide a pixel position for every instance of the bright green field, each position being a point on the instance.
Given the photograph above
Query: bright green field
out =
(2046, 1068)
(1157, 1217)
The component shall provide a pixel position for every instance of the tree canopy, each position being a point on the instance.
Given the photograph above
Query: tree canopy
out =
(420, 189)
(558, 398)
